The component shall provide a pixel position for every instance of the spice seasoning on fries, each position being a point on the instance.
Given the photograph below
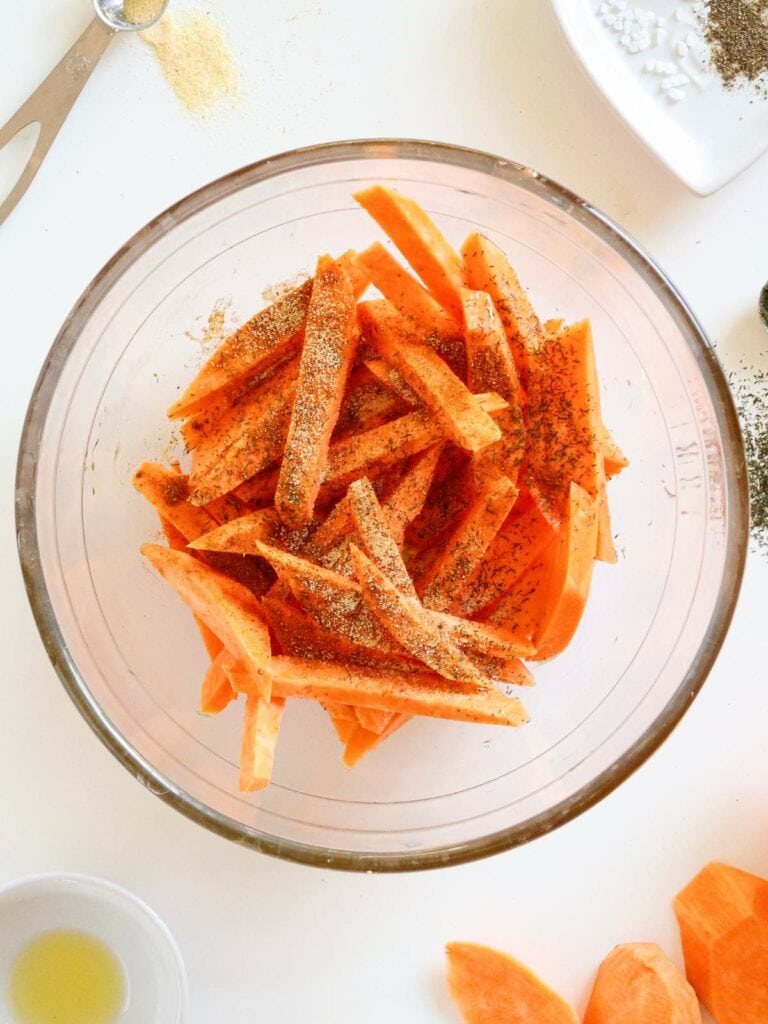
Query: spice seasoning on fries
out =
(392, 503)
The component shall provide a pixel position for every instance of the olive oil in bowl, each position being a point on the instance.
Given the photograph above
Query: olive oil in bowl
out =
(67, 977)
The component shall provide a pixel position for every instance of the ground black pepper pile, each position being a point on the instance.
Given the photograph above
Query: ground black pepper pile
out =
(750, 389)
(737, 34)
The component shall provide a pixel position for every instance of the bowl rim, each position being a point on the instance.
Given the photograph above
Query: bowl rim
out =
(93, 889)
(736, 486)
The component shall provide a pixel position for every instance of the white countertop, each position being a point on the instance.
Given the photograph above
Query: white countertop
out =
(268, 939)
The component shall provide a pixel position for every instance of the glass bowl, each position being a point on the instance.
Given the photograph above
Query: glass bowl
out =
(436, 793)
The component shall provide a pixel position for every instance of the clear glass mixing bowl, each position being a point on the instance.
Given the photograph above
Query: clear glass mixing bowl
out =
(436, 793)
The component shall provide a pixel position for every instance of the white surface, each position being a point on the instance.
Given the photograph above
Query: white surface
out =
(263, 938)
(155, 984)
(707, 138)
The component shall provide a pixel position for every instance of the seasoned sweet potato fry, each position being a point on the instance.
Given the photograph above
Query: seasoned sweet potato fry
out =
(261, 728)
(330, 343)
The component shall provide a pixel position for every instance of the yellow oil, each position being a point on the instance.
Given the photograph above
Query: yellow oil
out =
(66, 977)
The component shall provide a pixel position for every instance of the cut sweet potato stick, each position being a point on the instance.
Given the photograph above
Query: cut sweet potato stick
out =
(487, 269)
(410, 299)
(491, 988)
(373, 531)
(405, 501)
(723, 919)
(373, 719)
(364, 454)
(168, 492)
(332, 599)
(407, 622)
(570, 577)
(261, 728)
(344, 728)
(465, 546)
(448, 499)
(249, 437)
(419, 240)
(259, 446)
(300, 635)
(431, 378)
(413, 693)
(640, 983)
(361, 741)
(263, 340)
(522, 609)
(436, 327)
(330, 342)
(240, 535)
(517, 545)
(490, 367)
(225, 606)
(333, 531)
(565, 427)
(259, 490)
(216, 692)
(177, 542)
(482, 638)
(358, 279)
(613, 457)
(392, 380)
(368, 402)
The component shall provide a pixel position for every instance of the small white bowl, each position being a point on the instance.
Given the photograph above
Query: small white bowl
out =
(156, 984)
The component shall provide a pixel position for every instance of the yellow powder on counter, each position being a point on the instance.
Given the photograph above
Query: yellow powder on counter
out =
(194, 58)
(136, 12)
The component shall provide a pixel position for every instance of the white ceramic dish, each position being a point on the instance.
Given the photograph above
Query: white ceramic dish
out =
(156, 985)
(707, 139)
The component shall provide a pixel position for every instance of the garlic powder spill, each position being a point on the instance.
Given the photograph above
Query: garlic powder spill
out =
(195, 59)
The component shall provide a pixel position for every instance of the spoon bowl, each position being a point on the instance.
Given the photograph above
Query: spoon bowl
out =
(112, 13)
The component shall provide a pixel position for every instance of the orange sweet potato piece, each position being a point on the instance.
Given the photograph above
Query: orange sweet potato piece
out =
(368, 402)
(436, 327)
(216, 692)
(413, 693)
(613, 457)
(250, 439)
(405, 501)
(330, 343)
(487, 269)
(372, 529)
(639, 983)
(465, 545)
(410, 299)
(449, 498)
(431, 378)
(362, 741)
(517, 545)
(240, 535)
(565, 427)
(570, 577)
(408, 623)
(522, 609)
(261, 728)
(225, 606)
(264, 340)
(177, 541)
(344, 727)
(490, 367)
(419, 240)
(391, 379)
(723, 919)
(373, 719)
(491, 988)
(374, 450)
(168, 492)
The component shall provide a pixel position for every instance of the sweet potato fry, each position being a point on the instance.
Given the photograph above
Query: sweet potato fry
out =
(373, 531)
(431, 378)
(168, 492)
(263, 340)
(411, 693)
(330, 343)
(225, 606)
(464, 548)
(406, 500)
(261, 728)
(216, 692)
(362, 741)
(420, 241)
(487, 269)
